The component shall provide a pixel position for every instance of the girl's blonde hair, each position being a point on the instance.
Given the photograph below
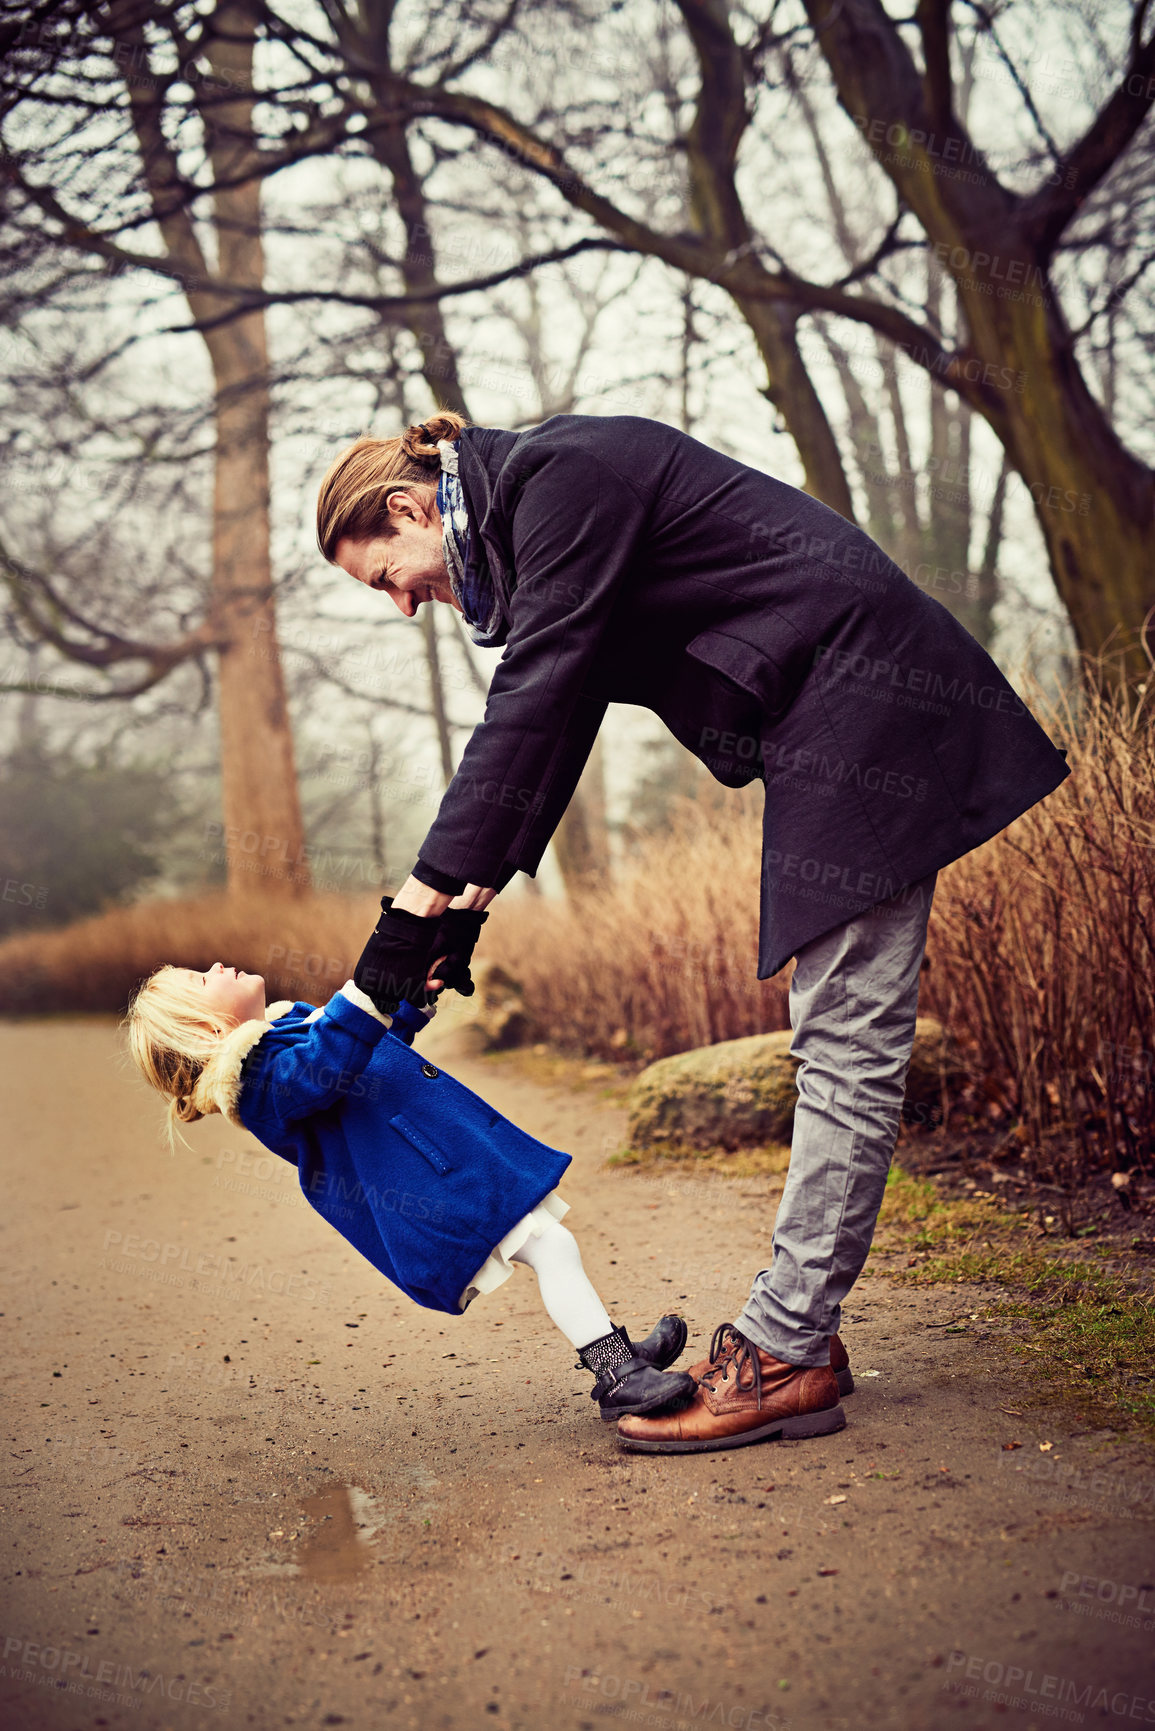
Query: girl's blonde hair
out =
(354, 495)
(181, 1046)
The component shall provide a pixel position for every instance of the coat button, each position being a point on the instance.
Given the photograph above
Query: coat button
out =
(430, 1070)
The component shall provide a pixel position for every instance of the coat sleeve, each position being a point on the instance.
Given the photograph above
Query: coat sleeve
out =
(562, 777)
(289, 1079)
(576, 528)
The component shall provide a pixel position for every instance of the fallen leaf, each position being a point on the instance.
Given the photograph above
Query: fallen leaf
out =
(1011, 1445)
(1046, 1447)
(832, 1500)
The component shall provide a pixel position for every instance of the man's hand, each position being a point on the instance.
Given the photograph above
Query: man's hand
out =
(414, 897)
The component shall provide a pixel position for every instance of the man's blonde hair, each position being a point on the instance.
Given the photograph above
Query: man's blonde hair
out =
(354, 496)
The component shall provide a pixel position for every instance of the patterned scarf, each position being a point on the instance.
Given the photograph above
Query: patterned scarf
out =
(471, 583)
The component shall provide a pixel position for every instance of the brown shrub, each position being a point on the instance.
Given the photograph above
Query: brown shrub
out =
(305, 947)
(1041, 951)
(663, 959)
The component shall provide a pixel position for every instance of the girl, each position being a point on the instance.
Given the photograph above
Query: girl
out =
(437, 1190)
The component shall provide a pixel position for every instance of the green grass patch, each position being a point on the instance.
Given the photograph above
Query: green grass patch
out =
(768, 1160)
(1094, 1326)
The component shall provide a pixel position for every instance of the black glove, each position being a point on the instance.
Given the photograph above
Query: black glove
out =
(456, 937)
(395, 962)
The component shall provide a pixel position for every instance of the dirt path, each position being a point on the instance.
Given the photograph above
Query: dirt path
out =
(397, 1519)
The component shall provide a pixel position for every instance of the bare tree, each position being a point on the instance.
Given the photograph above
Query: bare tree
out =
(153, 124)
(1094, 499)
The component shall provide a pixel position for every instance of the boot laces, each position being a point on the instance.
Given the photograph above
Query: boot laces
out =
(730, 1347)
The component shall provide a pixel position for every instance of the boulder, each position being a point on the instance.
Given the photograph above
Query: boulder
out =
(498, 1009)
(933, 1063)
(741, 1093)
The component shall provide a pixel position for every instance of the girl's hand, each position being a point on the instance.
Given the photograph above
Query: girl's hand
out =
(433, 984)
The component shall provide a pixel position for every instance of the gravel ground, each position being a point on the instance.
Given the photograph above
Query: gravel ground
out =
(397, 1518)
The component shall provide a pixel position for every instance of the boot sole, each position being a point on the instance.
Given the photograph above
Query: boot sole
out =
(806, 1424)
(672, 1401)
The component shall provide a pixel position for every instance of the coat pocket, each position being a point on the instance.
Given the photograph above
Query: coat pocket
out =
(421, 1142)
(751, 667)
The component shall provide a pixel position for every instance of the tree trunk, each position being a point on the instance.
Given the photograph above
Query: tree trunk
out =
(789, 387)
(711, 145)
(264, 834)
(581, 840)
(437, 690)
(263, 831)
(988, 573)
(390, 146)
(1095, 501)
(909, 536)
(867, 445)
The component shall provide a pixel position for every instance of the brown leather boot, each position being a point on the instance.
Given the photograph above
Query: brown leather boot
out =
(744, 1396)
(839, 1364)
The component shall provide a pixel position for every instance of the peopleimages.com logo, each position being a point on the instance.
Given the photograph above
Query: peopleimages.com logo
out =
(80, 1673)
(1021, 1686)
(633, 1699)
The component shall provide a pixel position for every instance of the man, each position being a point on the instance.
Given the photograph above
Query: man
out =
(617, 559)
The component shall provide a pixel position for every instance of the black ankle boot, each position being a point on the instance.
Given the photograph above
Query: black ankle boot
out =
(664, 1345)
(627, 1383)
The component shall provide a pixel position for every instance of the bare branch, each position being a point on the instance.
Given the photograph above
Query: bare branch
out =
(1046, 214)
(934, 26)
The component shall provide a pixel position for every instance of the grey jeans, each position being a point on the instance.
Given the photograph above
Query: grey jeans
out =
(853, 1001)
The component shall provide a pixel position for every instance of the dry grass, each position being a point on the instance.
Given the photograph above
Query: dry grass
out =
(1042, 947)
(664, 959)
(1041, 951)
(305, 948)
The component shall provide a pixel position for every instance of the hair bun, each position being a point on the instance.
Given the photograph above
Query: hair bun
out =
(420, 441)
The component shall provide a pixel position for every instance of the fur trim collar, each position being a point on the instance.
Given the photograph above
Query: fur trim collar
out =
(219, 1087)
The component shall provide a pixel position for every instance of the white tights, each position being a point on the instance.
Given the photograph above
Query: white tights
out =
(566, 1289)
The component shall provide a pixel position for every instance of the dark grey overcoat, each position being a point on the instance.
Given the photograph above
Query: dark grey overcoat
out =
(773, 638)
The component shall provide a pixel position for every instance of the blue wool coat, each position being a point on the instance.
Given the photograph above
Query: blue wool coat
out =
(418, 1173)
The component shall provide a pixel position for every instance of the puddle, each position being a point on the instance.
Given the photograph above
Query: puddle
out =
(339, 1523)
(338, 1546)
(339, 1527)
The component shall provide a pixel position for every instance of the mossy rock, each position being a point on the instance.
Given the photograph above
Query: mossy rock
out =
(499, 1010)
(933, 1063)
(741, 1093)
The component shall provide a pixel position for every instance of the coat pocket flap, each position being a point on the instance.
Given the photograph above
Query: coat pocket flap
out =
(421, 1142)
(747, 665)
